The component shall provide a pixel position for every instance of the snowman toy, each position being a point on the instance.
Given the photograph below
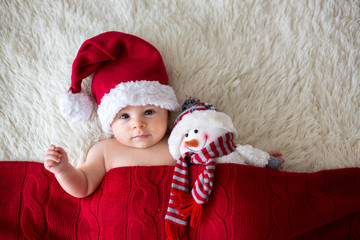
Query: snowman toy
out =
(203, 135)
(200, 124)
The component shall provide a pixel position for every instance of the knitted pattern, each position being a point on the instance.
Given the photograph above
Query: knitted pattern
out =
(246, 203)
(182, 204)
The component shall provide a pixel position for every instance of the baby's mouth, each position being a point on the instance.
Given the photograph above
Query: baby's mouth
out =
(141, 136)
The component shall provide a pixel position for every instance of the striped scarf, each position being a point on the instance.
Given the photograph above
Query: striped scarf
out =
(182, 203)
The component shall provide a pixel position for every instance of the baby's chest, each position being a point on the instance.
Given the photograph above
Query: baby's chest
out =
(138, 158)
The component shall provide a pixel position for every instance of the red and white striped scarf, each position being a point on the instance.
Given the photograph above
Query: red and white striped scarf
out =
(182, 203)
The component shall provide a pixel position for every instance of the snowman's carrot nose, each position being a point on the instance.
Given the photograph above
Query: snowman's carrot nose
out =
(192, 143)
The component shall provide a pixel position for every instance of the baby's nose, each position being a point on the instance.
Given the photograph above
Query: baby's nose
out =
(192, 143)
(138, 123)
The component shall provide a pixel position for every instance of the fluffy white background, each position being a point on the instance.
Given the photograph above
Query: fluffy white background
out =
(287, 72)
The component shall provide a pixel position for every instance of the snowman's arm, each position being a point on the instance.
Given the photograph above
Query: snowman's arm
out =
(253, 156)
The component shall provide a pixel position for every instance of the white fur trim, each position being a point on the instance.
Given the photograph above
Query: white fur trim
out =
(75, 106)
(197, 119)
(134, 93)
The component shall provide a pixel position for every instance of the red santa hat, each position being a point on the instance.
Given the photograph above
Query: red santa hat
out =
(127, 71)
(196, 114)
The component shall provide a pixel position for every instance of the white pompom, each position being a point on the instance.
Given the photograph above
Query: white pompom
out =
(75, 106)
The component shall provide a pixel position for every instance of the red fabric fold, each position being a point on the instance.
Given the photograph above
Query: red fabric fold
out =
(247, 203)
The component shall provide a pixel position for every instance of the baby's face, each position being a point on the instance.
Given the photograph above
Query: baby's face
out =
(140, 126)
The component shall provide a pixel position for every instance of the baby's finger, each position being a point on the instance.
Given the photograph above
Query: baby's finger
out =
(52, 147)
(54, 151)
(49, 164)
(60, 150)
(56, 157)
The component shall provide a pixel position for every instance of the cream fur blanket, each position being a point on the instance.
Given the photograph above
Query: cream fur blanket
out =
(287, 72)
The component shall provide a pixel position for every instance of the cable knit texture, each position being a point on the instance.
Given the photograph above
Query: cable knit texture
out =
(247, 203)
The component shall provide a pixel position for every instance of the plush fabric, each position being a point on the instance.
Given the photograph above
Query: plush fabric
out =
(247, 203)
(286, 72)
(186, 200)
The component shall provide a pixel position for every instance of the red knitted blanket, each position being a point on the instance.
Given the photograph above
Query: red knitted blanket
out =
(247, 203)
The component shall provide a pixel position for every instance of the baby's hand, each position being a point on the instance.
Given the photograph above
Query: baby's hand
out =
(56, 160)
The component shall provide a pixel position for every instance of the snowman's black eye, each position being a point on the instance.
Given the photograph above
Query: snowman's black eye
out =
(186, 135)
(196, 131)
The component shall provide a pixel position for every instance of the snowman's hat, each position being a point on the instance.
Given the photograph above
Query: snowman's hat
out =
(196, 114)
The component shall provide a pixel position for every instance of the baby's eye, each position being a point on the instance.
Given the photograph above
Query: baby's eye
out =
(149, 112)
(124, 116)
(196, 131)
(186, 135)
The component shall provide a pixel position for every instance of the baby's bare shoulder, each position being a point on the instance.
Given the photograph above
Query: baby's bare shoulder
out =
(106, 150)
(102, 147)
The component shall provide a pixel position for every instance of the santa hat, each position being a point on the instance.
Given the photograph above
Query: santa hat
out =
(196, 114)
(127, 71)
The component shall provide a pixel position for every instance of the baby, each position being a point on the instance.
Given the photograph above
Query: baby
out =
(130, 86)
(139, 135)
